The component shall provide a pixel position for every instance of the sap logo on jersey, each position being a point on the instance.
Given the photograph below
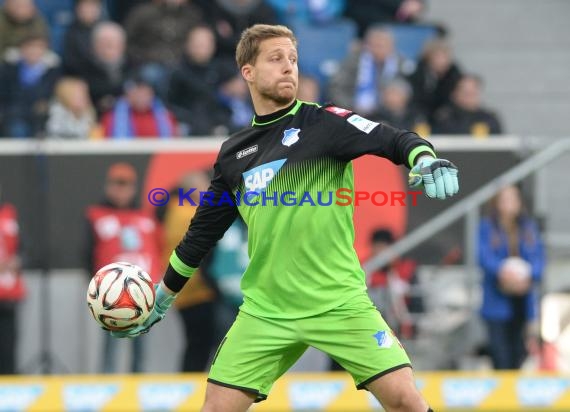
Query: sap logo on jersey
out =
(258, 178)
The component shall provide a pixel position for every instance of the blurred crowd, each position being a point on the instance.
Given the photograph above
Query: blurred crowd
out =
(165, 68)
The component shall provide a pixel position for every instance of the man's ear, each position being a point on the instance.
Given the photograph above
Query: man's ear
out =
(247, 73)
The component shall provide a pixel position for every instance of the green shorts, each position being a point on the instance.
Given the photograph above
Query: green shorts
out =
(257, 351)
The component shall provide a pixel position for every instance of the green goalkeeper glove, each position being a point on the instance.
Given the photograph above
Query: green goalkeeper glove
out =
(437, 176)
(162, 302)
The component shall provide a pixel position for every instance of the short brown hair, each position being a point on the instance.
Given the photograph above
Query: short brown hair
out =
(248, 46)
(66, 86)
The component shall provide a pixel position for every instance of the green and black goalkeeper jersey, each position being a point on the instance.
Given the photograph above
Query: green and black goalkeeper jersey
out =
(281, 175)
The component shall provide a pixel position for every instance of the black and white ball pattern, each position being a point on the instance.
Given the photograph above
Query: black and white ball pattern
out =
(120, 296)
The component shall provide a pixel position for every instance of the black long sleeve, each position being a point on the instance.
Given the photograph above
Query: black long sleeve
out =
(213, 217)
(356, 136)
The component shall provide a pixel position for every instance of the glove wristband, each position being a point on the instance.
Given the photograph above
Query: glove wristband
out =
(417, 151)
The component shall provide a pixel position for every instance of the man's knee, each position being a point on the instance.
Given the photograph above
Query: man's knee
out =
(405, 399)
(223, 399)
(397, 392)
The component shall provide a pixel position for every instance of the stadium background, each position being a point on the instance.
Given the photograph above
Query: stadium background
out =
(521, 50)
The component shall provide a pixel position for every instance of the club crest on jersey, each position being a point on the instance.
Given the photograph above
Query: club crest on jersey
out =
(290, 137)
(383, 338)
(258, 178)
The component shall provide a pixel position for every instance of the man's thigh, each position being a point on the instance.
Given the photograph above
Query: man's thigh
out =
(255, 353)
(358, 338)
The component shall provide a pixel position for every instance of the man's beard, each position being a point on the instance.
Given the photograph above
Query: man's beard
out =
(280, 99)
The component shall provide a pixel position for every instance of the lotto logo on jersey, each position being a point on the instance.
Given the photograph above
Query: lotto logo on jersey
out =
(258, 178)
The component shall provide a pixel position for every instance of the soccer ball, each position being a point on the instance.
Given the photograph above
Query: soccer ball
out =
(515, 276)
(120, 296)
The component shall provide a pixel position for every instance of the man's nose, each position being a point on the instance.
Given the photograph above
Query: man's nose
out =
(288, 66)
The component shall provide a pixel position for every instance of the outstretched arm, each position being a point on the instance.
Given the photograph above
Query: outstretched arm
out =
(356, 136)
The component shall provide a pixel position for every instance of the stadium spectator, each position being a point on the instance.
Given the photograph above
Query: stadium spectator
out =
(396, 109)
(119, 231)
(362, 75)
(512, 257)
(192, 93)
(308, 11)
(139, 113)
(26, 85)
(234, 97)
(71, 113)
(19, 19)
(434, 78)
(309, 89)
(366, 13)
(196, 301)
(465, 114)
(12, 288)
(157, 30)
(77, 50)
(106, 72)
(230, 17)
(119, 10)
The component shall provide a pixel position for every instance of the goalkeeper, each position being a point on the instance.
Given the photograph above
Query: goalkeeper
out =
(304, 285)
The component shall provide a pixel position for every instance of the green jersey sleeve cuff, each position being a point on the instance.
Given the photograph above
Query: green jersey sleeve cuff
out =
(180, 267)
(416, 151)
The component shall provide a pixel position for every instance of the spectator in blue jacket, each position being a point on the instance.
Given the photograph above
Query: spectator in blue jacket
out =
(512, 257)
(26, 85)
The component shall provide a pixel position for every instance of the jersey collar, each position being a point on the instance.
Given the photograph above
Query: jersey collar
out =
(276, 116)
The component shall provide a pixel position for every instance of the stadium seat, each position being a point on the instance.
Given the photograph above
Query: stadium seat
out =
(410, 39)
(322, 47)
